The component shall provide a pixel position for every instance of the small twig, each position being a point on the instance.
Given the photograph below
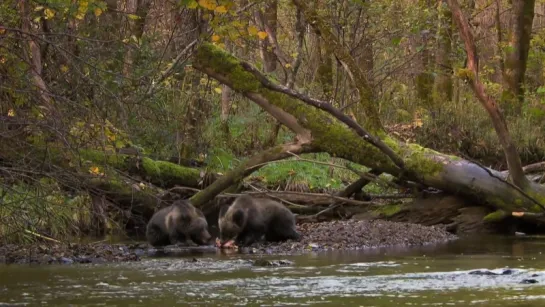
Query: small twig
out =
(41, 236)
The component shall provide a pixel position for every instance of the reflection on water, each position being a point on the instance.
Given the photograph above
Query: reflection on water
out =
(424, 276)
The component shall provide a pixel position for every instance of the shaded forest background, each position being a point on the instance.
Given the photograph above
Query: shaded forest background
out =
(104, 117)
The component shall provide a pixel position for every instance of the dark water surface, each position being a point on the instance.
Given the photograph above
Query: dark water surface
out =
(424, 276)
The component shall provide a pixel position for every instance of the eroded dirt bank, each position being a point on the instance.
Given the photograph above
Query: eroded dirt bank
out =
(338, 235)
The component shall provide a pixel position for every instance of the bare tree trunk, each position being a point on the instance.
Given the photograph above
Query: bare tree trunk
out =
(491, 106)
(141, 9)
(443, 81)
(34, 57)
(269, 17)
(516, 57)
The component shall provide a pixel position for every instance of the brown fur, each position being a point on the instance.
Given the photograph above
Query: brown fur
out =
(179, 223)
(248, 219)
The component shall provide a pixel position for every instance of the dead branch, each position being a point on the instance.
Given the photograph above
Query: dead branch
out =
(249, 166)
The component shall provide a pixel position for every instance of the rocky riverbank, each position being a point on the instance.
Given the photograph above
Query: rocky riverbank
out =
(333, 235)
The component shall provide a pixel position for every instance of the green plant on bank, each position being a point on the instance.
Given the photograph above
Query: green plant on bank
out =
(28, 212)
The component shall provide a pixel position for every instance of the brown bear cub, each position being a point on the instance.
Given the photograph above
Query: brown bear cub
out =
(248, 219)
(178, 223)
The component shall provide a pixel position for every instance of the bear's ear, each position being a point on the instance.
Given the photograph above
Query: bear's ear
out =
(223, 210)
(238, 217)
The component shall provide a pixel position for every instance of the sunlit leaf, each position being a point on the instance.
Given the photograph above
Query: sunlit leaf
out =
(221, 9)
(208, 4)
(133, 17)
(217, 90)
(49, 13)
(11, 113)
(98, 11)
(192, 4)
(252, 30)
(262, 35)
(215, 38)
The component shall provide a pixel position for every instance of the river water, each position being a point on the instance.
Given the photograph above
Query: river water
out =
(425, 276)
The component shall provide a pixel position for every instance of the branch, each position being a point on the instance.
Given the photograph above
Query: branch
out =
(251, 165)
(342, 53)
(488, 102)
(303, 135)
(329, 109)
(169, 71)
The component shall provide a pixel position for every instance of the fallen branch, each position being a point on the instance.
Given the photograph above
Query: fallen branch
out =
(325, 106)
(246, 168)
(309, 199)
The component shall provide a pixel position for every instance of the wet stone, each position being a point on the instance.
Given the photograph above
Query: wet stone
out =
(265, 263)
(529, 281)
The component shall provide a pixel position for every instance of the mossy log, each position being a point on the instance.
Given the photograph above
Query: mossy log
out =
(431, 168)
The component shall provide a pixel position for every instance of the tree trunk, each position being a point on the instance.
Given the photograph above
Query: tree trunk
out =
(443, 81)
(516, 56)
(270, 15)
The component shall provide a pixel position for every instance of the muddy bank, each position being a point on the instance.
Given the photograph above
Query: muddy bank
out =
(334, 235)
(43, 253)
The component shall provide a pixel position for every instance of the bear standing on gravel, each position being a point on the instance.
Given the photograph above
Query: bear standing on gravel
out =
(180, 222)
(248, 219)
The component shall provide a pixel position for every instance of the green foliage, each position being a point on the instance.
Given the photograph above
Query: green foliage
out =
(44, 209)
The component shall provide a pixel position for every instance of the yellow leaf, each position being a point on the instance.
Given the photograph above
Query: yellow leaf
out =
(38, 8)
(94, 170)
(208, 4)
(49, 13)
(252, 30)
(192, 5)
(262, 35)
(98, 11)
(215, 38)
(64, 68)
(217, 90)
(133, 17)
(221, 9)
(80, 15)
(11, 113)
(288, 65)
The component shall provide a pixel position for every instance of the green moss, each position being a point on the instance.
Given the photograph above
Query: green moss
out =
(150, 167)
(388, 210)
(495, 216)
(222, 62)
(99, 157)
(418, 160)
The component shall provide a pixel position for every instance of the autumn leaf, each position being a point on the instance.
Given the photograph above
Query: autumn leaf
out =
(252, 30)
(192, 4)
(262, 35)
(221, 9)
(215, 38)
(11, 113)
(208, 4)
(49, 13)
(95, 170)
(217, 90)
(98, 11)
(64, 68)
